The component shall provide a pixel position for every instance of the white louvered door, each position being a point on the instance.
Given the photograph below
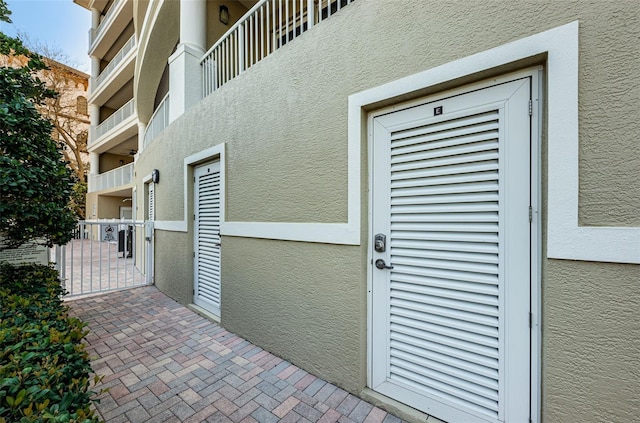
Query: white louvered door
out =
(151, 203)
(451, 191)
(207, 198)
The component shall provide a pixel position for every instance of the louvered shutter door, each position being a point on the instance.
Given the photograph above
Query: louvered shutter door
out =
(445, 292)
(152, 201)
(207, 242)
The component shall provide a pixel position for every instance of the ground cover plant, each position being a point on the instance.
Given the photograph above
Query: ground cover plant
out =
(45, 372)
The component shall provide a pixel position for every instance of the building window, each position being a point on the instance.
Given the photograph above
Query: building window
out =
(81, 105)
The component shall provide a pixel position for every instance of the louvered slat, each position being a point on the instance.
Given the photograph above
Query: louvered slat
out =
(444, 245)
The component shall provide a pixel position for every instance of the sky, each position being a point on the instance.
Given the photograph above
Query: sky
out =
(58, 24)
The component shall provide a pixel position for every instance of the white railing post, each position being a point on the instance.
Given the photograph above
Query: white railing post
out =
(311, 18)
(241, 49)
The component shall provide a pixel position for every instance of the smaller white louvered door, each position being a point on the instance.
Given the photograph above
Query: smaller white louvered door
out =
(451, 192)
(207, 198)
(151, 201)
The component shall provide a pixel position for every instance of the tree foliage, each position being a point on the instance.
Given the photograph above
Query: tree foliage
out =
(35, 182)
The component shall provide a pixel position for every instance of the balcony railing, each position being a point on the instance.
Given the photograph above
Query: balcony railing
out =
(158, 121)
(124, 51)
(269, 25)
(122, 175)
(115, 119)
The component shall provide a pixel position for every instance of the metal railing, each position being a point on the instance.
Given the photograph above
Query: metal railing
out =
(115, 119)
(94, 33)
(158, 121)
(119, 176)
(106, 256)
(124, 51)
(268, 26)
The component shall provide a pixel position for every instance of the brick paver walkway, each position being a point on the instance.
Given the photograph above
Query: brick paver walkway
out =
(164, 363)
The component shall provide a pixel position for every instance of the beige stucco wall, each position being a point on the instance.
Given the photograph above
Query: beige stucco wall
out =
(284, 123)
(175, 278)
(305, 305)
(591, 353)
(106, 206)
(112, 161)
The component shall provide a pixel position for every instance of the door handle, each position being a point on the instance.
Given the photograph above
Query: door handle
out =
(380, 264)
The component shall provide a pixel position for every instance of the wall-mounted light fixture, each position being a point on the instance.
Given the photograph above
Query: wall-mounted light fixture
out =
(155, 176)
(224, 15)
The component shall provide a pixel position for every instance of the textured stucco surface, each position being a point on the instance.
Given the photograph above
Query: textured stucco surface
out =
(171, 275)
(285, 125)
(169, 192)
(591, 348)
(305, 305)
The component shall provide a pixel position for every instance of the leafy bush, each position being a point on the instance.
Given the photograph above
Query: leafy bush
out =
(45, 372)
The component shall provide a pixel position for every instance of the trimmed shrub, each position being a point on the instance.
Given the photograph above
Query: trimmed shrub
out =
(45, 372)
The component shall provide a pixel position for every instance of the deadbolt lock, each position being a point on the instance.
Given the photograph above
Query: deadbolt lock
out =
(380, 243)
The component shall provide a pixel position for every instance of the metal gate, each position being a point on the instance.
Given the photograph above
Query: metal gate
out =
(105, 256)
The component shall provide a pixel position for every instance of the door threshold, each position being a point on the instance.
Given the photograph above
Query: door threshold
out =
(395, 407)
(204, 313)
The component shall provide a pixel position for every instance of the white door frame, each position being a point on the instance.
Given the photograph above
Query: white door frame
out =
(536, 74)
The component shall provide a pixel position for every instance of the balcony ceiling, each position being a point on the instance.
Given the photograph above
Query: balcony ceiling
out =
(124, 148)
(97, 4)
(82, 3)
(248, 3)
(125, 192)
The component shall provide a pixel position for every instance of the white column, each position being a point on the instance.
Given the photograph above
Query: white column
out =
(95, 60)
(94, 170)
(94, 163)
(95, 22)
(185, 72)
(142, 128)
(94, 116)
(95, 18)
(193, 23)
(95, 71)
(95, 66)
(94, 158)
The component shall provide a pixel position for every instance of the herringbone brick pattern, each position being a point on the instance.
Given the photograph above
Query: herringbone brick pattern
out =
(164, 363)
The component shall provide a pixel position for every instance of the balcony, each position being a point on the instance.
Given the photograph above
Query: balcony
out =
(115, 62)
(110, 19)
(158, 121)
(120, 115)
(115, 178)
(117, 74)
(269, 25)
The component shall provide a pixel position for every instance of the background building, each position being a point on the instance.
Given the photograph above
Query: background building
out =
(430, 204)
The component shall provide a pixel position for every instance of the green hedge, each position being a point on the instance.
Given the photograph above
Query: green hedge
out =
(45, 373)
